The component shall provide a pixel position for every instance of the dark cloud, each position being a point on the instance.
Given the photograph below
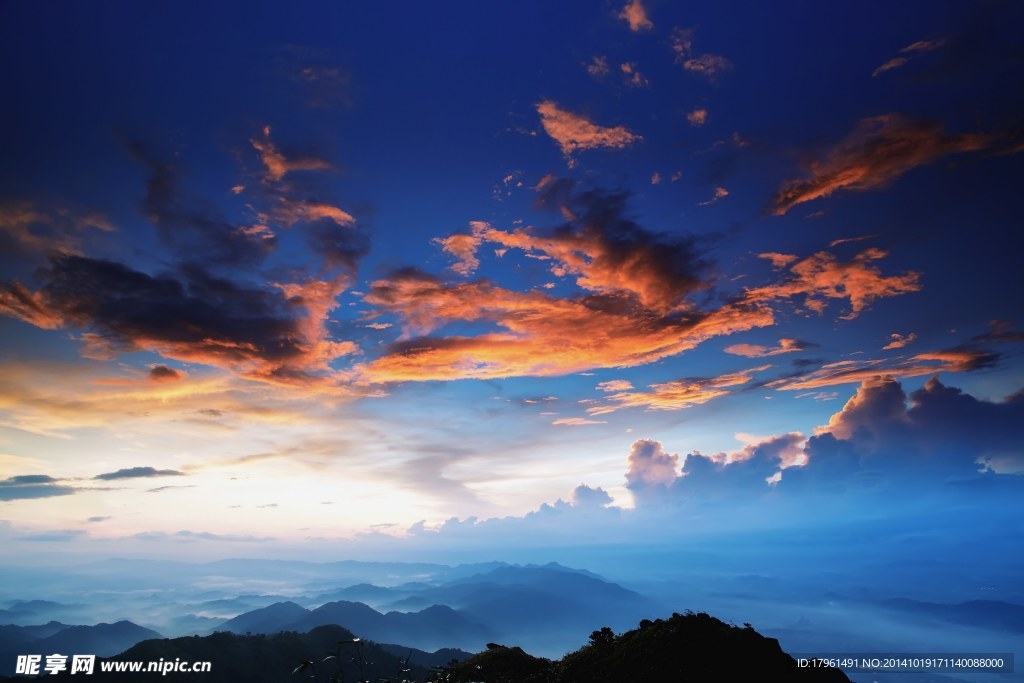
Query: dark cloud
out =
(192, 316)
(193, 228)
(28, 486)
(98, 518)
(137, 472)
(162, 373)
(340, 246)
(942, 430)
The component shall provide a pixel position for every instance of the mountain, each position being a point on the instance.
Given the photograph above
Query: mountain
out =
(270, 619)
(263, 659)
(430, 628)
(25, 612)
(12, 635)
(690, 647)
(546, 609)
(102, 639)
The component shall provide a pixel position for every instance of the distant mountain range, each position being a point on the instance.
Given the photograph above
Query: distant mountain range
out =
(547, 609)
(683, 647)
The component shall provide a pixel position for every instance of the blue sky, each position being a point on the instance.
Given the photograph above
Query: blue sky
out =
(279, 278)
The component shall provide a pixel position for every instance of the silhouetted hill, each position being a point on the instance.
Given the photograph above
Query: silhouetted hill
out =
(12, 634)
(266, 619)
(263, 659)
(691, 647)
(438, 658)
(101, 639)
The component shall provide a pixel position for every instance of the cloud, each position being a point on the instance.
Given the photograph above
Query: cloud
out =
(697, 117)
(878, 151)
(277, 165)
(821, 276)
(757, 351)
(192, 317)
(464, 248)
(190, 226)
(55, 536)
(30, 486)
(635, 15)
(853, 371)
(720, 193)
(941, 431)
(162, 373)
(632, 77)
(27, 230)
(677, 395)
(576, 422)
(636, 303)
(650, 469)
(537, 335)
(847, 240)
(575, 133)
(598, 67)
(137, 472)
(186, 535)
(19, 302)
(607, 251)
(707, 65)
(909, 52)
(898, 341)
(98, 518)
(614, 385)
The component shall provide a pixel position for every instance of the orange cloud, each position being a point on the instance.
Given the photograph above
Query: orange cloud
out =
(822, 275)
(720, 193)
(898, 341)
(535, 334)
(757, 351)
(635, 15)
(877, 152)
(677, 395)
(598, 67)
(464, 247)
(573, 132)
(631, 77)
(289, 212)
(609, 255)
(697, 117)
(576, 422)
(709, 66)
(277, 165)
(26, 228)
(19, 302)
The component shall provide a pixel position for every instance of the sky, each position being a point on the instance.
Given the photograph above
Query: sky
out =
(335, 278)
